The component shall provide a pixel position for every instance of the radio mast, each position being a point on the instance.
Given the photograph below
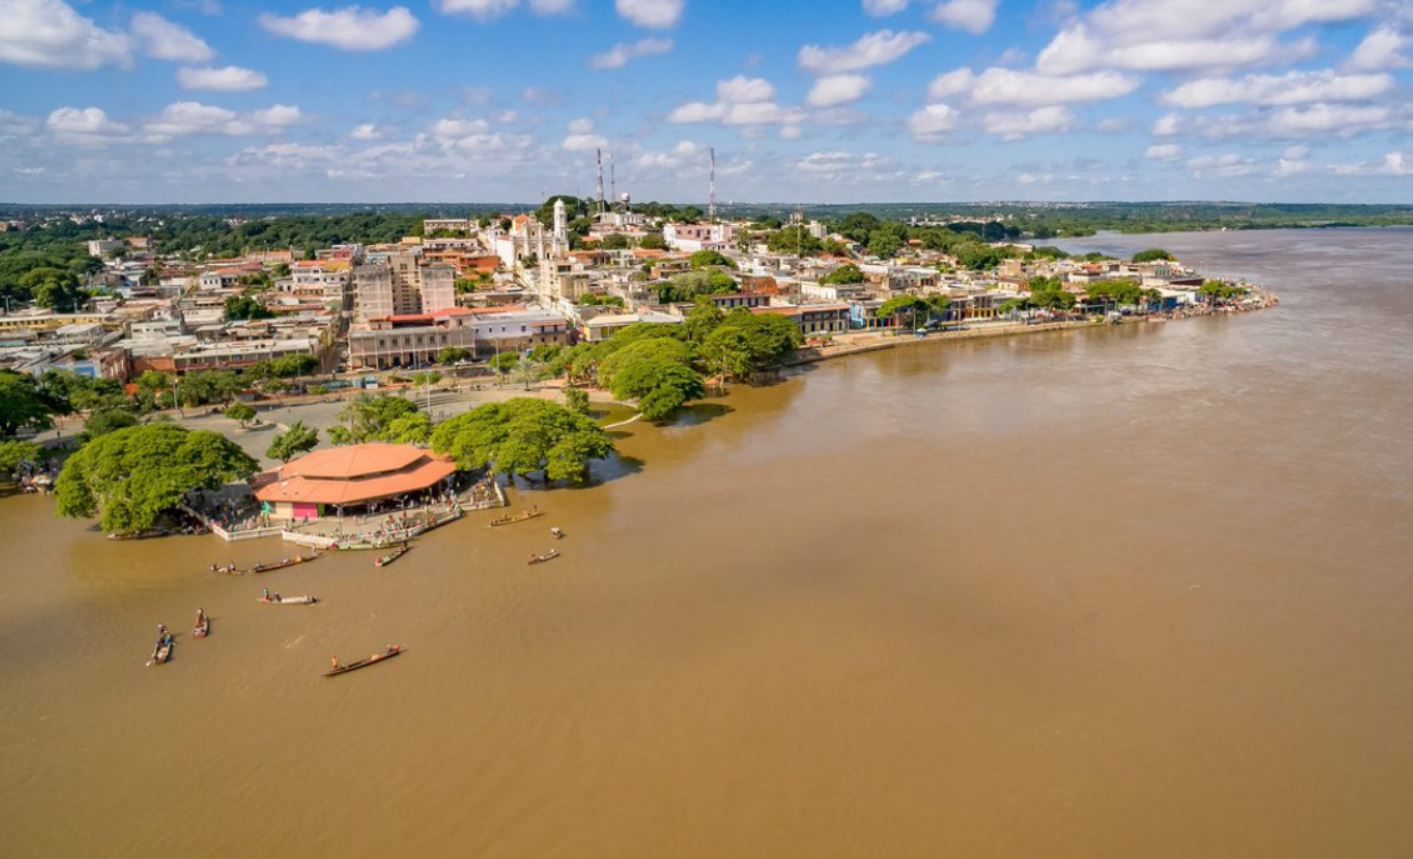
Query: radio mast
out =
(711, 187)
(598, 157)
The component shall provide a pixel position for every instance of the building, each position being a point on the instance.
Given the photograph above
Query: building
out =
(330, 481)
(103, 247)
(416, 340)
(400, 283)
(448, 226)
(694, 237)
(603, 327)
(813, 319)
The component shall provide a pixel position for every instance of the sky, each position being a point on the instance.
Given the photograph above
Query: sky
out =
(804, 101)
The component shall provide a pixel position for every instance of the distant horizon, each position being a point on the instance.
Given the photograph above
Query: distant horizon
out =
(211, 204)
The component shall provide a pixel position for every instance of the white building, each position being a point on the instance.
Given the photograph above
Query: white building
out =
(691, 238)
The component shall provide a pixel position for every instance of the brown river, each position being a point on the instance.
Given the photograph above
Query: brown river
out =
(1144, 591)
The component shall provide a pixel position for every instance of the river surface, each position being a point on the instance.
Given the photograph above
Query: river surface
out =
(1143, 591)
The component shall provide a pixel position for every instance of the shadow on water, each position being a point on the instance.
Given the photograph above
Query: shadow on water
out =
(697, 414)
(601, 471)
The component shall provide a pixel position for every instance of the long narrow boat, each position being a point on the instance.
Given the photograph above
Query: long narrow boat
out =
(393, 650)
(384, 560)
(547, 556)
(202, 628)
(163, 651)
(519, 517)
(282, 563)
(302, 599)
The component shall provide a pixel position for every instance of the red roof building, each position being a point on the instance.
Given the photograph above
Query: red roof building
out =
(349, 476)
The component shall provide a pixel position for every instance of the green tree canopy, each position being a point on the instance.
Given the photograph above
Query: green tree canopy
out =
(369, 417)
(847, 273)
(1152, 255)
(656, 372)
(132, 475)
(522, 436)
(1220, 290)
(240, 412)
(14, 453)
(104, 421)
(708, 258)
(653, 241)
(615, 242)
(245, 307)
(746, 343)
(689, 285)
(292, 442)
(576, 400)
(24, 404)
(55, 288)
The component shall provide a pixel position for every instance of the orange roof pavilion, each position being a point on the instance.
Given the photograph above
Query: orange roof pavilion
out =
(353, 474)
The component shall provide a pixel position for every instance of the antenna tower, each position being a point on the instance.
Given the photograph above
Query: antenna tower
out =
(598, 157)
(711, 187)
(612, 179)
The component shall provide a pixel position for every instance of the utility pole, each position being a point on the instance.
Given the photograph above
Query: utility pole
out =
(598, 157)
(612, 180)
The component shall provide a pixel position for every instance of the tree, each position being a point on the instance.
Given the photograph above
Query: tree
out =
(656, 372)
(847, 273)
(688, 286)
(505, 362)
(55, 288)
(292, 442)
(369, 417)
(411, 428)
(131, 476)
(452, 354)
(702, 319)
(1123, 291)
(24, 404)
(746, 343)
(240, 412)
(290, 366)
(708, 258)
(791, 240)
(245, 307)
(653, 241)
(104, 421)
(13, 454)
(1049, 293)
(576, 400)
(522, 436)
(1152, 255)
(1216, 290)
(615, 242)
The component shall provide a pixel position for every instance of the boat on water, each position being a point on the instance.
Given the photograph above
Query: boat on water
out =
(557, 533)
(384, 560)
(163, 651)
(547, 556)
(202, 626)
(276, 599)
(282, 563)
(518, 517)
(337, 669)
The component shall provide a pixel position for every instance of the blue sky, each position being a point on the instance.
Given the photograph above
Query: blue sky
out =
(803, 100)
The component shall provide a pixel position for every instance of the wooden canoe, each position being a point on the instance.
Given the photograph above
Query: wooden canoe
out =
(519, 517)
(203, 630)
(393, 650)
(384, 560)
(547, 556)
(302, 599)
(281, 564)
(162, 653)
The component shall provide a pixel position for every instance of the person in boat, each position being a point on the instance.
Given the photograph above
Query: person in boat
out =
(200, 617)
(556, 533)
(534, 557)
(265, 594)
(334, 662)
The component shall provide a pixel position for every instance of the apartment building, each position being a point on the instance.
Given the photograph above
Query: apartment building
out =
(400, 283)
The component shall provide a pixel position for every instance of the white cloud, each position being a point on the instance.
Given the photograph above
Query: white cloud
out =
(1163, 152)
(1381, 49)
(351, 28)
(742, 89)
(1017, 126)
(1167, 125)
(883, 8)
(366, 131)
(183, 118)
(874, 49)
(227, 79)
(839, 162)
(481, 10)
(581, 137)
(1395, 164)
(160, 39)
(14, 125)
(1290, 88)
(951, 83)
(1161, 35)
(50, 34)
(1008, 86)
(87, 126)
(652, 14)
(1291, 167)
(1317, 119)
(449, 128)
(551, 7)
(679, 156)
(974, 16)
(1230, 164)
(790, 132)
(837, 89)
(933, 122)
(618, 56)
(739, 101)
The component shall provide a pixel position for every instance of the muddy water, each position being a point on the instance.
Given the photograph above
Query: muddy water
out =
(1133, 592)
